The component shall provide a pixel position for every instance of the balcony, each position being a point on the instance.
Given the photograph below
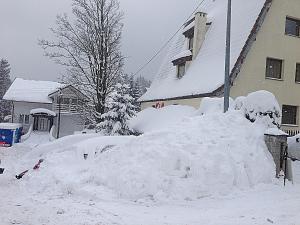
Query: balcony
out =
(65, 108)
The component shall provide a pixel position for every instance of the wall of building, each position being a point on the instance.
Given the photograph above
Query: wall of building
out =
(195, 102)
(69, 123)
(25, 108)
(272, 42)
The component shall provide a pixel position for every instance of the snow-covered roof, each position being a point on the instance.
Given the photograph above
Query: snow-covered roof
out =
(206, 72)
(42, 110)
(183, 54)
(10, 126)
(31, 91)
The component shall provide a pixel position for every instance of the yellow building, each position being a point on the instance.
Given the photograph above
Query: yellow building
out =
(265, 55)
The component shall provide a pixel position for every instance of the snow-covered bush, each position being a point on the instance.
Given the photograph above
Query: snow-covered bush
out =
(262, 106)
(120, 109)
(213, 105)
(239, 102)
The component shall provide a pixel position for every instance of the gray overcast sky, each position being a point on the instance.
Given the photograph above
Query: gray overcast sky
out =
(147, 25)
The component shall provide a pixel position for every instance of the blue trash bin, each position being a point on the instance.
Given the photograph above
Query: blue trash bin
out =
(10, 133)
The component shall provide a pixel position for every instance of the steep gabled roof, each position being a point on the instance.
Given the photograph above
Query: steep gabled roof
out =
(206, 73)
(31, 91)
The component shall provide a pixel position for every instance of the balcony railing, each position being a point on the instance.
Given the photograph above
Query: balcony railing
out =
(65, 108)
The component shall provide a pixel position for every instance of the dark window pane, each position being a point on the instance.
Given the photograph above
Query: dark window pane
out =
(298, 72)
(274, 68)
(292, 26)
(21, 118)
(26, 119)
(181, 70)
(289, 114)
(191, 43)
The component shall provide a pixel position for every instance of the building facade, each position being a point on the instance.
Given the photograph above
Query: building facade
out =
(267, 59)
(45, 105)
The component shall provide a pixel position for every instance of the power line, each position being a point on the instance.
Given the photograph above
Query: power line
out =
(166, 44)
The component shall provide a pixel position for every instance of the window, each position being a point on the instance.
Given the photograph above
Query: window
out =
(21, 118)
(292, 27)
(24, 119)
(191, 43)
(180, 70)
(289, 114)
(297, 78)
(274, 68)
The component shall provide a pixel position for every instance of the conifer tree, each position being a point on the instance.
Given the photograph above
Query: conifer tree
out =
(5, 106)
(120, 108)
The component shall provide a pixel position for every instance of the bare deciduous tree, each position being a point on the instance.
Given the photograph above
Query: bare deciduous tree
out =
(89, 47)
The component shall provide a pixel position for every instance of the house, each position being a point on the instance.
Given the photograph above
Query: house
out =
(265, 55)
(42, 104)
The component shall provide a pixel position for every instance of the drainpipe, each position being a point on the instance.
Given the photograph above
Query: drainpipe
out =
(227, 59)
(59, 112)
(12, 112)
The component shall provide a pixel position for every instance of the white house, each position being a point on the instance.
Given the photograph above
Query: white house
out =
(43, 104)
(265, 55)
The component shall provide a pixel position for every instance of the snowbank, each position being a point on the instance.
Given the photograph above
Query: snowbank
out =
(200, 156)
(152, 119)
(213, 105)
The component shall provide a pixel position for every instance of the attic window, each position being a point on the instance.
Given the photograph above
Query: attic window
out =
(191, 43)
(180, 70)
(292, 27)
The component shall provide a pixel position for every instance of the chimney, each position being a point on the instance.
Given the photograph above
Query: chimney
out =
(199, 32)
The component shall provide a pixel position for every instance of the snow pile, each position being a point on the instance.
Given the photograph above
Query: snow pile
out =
(200, 156)
(152, 119)
(212, 105)
(262, 106)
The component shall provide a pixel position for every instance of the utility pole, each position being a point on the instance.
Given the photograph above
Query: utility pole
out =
(227, 59)
(59, 112)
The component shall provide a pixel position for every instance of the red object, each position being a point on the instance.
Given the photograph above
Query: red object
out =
(37, 166)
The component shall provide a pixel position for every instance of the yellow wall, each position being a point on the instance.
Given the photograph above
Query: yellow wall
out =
(272, 42)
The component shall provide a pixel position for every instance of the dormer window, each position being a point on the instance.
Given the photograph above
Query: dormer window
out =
(191, 43)
(180, 62)
(180, 70)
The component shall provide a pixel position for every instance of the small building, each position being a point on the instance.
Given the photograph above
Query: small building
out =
(265, 55)
(44, 104)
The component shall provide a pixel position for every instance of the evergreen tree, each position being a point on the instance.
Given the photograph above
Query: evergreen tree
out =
(5, 106)
(135, 91)
(120, 108)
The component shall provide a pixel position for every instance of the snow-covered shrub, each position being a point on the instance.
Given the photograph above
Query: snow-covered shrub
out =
(239, 102)
(213, 105)
(262, 106)
(120, 109)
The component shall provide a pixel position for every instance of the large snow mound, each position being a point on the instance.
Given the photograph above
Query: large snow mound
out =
(200, 156)
(152, 119)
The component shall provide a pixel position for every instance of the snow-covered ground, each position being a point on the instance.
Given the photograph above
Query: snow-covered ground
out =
(212, 169)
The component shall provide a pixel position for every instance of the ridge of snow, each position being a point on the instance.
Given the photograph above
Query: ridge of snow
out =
(206, 72)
